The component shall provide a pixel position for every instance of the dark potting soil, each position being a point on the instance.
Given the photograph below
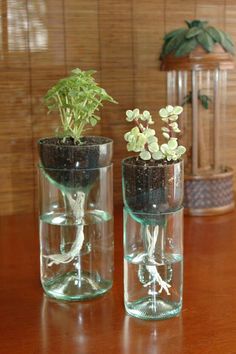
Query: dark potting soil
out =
(152, 186)
(71, 164)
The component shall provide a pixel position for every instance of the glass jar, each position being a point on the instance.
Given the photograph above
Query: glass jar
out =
(76, 225)
(153, 264)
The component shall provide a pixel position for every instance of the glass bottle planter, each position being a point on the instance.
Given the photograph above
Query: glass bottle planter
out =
(153, 264)
(76, 221)
(153, 196)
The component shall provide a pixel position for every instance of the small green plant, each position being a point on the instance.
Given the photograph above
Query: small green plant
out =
(77, 98)
(142, 138)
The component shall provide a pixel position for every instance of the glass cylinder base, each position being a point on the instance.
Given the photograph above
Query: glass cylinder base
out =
(153, 265)
(76, 233)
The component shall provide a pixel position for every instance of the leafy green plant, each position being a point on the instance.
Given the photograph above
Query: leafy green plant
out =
(203, 99)
(182, 41)
(142, 138)
(76, 98)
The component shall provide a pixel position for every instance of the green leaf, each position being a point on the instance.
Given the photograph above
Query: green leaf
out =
(130, 146)
(164, 148)
(165, 120)
(163, 113)
(205, 40)
(136, 112)
(135, 131)
(173, 43)
(93, 122)
(189, 23)
(165, 129)
(97, 117)
(173, 33)
(198, 23)
(204, 101)
(166, 135)
(229, 38)
(152, 139)
(214, 33)
(187, 98)
(142, 139)
(149, 132)
(172, 143)
(173, 117)
(181, 150)
(126, 136)
(145, 155)
(178, 110)
(177, 130)
(146, 114)
(153, 147)
(192, 32)
(174, 125)
(226, 43)
(138, 148)
(228, 47)
(186, 47)
(169, 109)
(158, 155)
(129, 113)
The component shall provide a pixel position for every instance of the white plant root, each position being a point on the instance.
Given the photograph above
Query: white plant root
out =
(77, 206)
(152, 269)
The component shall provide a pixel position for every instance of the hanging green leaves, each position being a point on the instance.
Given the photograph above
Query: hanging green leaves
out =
(182, 41)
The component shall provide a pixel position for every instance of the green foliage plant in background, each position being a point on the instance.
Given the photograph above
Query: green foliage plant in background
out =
(182, 41)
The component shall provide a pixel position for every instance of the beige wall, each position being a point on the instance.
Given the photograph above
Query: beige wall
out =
(42, 40)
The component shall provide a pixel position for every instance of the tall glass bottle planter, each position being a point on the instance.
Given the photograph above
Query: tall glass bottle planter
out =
(153, 250)
(197, 69)
(76, 218)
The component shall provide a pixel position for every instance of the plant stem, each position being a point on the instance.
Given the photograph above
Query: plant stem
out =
(60, 105)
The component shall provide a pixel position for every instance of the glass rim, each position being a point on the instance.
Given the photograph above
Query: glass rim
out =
(108, 141)
(42, 168)
(125, 162)
(153, 215)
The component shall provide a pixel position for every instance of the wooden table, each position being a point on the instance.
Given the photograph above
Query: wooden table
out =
(31, 323)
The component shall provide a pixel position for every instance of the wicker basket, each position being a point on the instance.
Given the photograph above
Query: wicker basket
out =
(209, 195)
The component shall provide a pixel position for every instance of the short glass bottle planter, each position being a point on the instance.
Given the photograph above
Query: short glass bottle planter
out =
(76, 223)
(153, 252)
(153, 264)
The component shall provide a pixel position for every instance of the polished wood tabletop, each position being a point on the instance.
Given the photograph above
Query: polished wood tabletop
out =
(31, 323)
